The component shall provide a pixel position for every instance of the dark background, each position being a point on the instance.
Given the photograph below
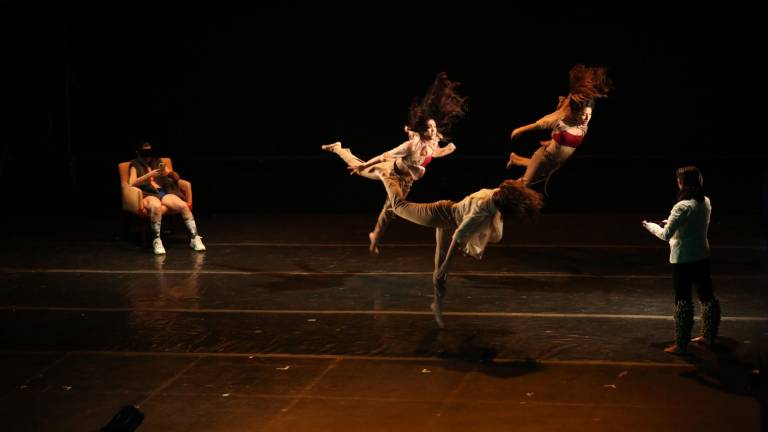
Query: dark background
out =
(242, 98)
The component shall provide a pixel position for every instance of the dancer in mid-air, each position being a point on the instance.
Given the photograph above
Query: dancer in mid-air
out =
(467, 225)
(568, 124)
(429, 119)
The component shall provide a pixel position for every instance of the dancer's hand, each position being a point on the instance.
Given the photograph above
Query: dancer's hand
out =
(515, 133)
(647, 224)
(660, 223)
(411, 134)
(356, 169)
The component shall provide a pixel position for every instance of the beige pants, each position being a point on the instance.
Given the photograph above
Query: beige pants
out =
(438, 215)
(386, 215)
(545, 161)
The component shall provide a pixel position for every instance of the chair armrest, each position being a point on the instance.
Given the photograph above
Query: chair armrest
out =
(186, 188)
(133, 200)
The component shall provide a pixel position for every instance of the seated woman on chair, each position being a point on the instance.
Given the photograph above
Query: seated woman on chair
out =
(160, 187)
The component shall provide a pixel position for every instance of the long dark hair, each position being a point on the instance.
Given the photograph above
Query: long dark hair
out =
(145, 155)
(441, 103)
(692, 184)
(588, 83)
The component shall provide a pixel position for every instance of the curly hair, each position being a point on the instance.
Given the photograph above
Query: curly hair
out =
(441, 103)
(516, 199)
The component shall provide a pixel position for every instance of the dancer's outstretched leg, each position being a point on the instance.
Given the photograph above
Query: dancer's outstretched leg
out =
(517, 160)
(438, 214)
(387, 214)
(443, 240)
(346, 155)
(544, 162)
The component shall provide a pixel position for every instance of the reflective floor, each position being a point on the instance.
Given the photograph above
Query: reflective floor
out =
(287, 323)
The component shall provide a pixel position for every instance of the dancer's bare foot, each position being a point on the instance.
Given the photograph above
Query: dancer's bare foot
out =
(701, 340)
(374, 247)
(515, 160)
(674, 350)
(331, 147)
(437, 311)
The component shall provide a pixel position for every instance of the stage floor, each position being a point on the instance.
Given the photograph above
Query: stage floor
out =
(286, 323)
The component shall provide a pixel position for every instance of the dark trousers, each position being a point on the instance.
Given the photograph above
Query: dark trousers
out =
(686, 275)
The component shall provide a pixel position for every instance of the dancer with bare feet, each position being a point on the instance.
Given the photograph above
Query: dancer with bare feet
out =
(686, 231)
(429, 120)
(466, 226)
(568, 124)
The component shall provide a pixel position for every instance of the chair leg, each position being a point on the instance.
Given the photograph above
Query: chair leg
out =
(126, 223)
(136, 228)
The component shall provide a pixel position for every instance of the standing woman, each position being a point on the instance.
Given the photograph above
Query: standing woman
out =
(568, 124)
(429, 119)
(686, 231)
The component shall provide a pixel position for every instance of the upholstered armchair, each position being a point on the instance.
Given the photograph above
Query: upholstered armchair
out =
(133, 198)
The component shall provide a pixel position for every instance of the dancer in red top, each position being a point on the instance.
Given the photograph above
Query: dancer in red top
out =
(568, 124)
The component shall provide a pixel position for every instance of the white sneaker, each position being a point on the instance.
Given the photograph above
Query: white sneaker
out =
(157, 245)
(331, 147)
(196, 243)
(437, 310)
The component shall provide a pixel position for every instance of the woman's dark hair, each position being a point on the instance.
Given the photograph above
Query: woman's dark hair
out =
(692, 184)
(144, 151)
(441, 103)
(514, 198)
(577, 106)
(587, 84)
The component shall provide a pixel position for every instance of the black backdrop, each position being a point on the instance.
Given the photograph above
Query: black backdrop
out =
(242, 98)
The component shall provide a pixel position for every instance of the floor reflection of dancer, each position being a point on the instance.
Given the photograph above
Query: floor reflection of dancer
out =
(169, 291)
(428, 120)
(568, 124)
(467, 225)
